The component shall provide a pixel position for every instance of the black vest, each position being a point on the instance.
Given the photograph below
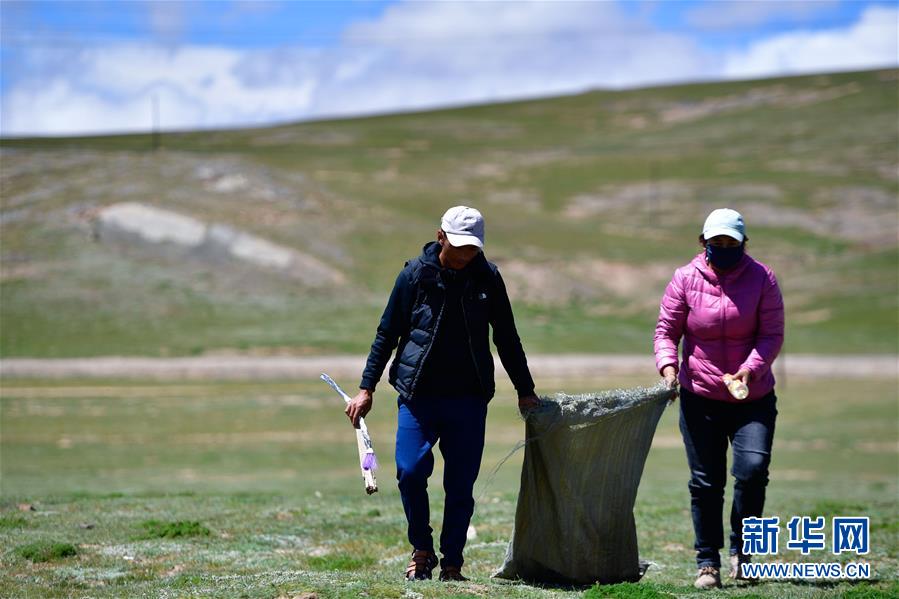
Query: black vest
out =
(424, 325)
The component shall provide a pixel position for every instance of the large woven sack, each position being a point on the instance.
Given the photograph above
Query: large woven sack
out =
(584, 456)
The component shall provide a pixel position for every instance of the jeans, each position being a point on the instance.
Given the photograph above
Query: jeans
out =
(458, 423)
(707, 426)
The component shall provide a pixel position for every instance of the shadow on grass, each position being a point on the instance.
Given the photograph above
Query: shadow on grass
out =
(638, 590)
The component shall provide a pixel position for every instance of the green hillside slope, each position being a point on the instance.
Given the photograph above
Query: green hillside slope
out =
(287, 239)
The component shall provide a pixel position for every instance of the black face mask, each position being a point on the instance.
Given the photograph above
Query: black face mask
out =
(724, 258)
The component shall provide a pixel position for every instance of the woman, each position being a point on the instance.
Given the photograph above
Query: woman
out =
(729, 310)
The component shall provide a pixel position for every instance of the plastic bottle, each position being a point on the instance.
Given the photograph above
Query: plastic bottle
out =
(736, 387)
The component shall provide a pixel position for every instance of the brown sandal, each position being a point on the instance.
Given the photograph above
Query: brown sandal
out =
(421, 565)
(452, 574)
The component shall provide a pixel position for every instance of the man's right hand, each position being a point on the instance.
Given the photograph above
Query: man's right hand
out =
(359, 407)
(670, 375)
(526, 403)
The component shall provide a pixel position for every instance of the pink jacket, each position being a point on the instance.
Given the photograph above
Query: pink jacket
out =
(728, 322)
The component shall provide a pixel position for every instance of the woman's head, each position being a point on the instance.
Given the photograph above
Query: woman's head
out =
(724, 222)
(724, 238)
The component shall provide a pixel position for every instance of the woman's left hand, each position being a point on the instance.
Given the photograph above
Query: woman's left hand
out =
(669, 374)
(743, 375)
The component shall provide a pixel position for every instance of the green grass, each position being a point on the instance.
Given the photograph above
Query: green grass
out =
(45, 551)
(340, 562)
(864, 591)
(269, 469)
(363, 195)
(154, 529)
(627, 590)
(7, 521)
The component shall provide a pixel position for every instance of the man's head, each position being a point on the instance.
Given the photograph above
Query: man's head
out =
(461, 236)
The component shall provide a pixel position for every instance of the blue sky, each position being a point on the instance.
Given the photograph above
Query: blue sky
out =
(234, 24)
(77, 67)
(735, 27)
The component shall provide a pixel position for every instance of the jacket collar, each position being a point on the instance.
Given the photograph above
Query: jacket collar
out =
(709, 273)
(430, 255)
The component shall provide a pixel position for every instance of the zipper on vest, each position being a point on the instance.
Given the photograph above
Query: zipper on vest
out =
(470, 347)
(424, 356)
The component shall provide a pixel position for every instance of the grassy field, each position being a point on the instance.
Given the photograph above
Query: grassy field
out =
(240, 489)
(591, 202)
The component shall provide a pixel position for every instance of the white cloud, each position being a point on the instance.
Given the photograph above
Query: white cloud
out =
(432, 54)
(872, 42)
(111, 89)
(426, 23)
(415, 55)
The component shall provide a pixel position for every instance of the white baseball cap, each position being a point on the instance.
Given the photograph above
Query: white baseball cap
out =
(724, 221)
(463, 226)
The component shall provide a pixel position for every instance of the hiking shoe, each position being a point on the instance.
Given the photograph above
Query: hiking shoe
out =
(709, 578)
(421, 565)
(452, 574)
(736, 560)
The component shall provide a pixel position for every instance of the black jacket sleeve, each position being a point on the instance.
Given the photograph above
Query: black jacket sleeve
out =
(506, 340)
(394, 324)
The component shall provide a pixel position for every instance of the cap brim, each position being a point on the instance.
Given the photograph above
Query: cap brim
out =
(714, 232)
(457, 240)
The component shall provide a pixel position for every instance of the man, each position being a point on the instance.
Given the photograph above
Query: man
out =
(438, 314)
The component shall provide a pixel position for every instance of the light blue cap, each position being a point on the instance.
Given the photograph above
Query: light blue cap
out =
(724, 221)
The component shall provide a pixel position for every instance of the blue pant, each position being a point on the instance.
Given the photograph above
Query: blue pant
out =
(458, 423)
(707, 426)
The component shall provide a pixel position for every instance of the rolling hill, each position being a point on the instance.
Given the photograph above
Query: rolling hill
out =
(286, 240)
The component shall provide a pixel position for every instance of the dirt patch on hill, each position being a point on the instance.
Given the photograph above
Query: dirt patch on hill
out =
(855, 213)
(780, 96)
(636, 196)
(305, 137)
(562, 281)
(464, 129)
(859, 213)
(640, 115)
(519, 198)
(155, 229)
(11, 270)
(749, 191)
